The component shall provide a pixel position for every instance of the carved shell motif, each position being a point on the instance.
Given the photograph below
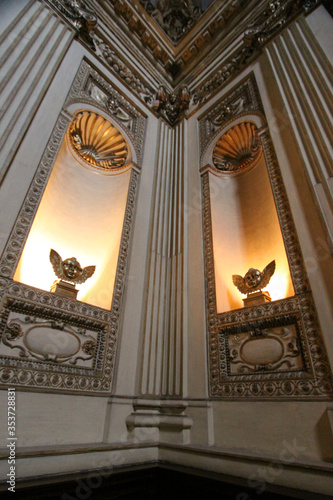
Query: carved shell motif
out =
(97, 141)
(238, 148)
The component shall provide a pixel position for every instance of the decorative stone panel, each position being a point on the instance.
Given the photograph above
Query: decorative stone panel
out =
(47, 341)
(276, 349)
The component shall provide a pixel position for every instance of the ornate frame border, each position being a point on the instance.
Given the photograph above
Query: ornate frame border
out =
(315, 381)
(32, 374)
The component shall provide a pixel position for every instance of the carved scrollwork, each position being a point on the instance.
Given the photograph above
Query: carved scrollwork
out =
(81, 16)
(275, 349)
(89, 347)
(131, 79)
(88, 363)
(176, 18)
(277, 14)
(91, 88)
(172, 106)
(13, 331)
(244, 99)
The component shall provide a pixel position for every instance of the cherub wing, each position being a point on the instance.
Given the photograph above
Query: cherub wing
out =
(238, 281)
(86, 273)
(56, 262)
(267, 274)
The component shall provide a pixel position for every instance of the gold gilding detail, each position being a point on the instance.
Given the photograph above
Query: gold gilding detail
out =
(238, 148)
(97, 141)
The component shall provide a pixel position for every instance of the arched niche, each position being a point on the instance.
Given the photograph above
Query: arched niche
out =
(82, 210)
(245, 226)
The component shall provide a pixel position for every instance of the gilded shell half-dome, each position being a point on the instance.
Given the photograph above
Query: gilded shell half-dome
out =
(97, 141)
(238, 148)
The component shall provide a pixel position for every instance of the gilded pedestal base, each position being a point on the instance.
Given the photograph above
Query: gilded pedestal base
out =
(256, 299)
(63, 288)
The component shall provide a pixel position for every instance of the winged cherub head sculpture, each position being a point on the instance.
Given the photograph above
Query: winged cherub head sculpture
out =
(70, 269)
(254, 280)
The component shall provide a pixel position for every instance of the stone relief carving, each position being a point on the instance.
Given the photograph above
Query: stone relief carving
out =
(91, 88)
(294, 363)
(274, 349)
(267, 24)
(176, 17)
(172, 106)
(243, 99)
(48, 340)
(81, 16)
(87, 363)
(45, 343)
(131, 79)
(238, 149)
(84, 20)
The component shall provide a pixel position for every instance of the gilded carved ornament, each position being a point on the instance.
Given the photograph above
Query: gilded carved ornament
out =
(176, 17)
(171, 106)
(238, 148)
(254, 280)
(269, 349)
(70, 269)
(97, 141)
(22, 362)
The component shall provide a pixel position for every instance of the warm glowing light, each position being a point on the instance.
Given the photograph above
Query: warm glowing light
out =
(278, 287)
(246, 234)
(81, 215)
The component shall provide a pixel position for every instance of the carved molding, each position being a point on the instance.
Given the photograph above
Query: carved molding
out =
(89, 87)
(294, 362)
(103, 151)
(136, 23)
(47, 368)
(176, 18)
(268, 23)
(80, 15)
(22, 364)
(264, 27)
(172, 106)
(238, 149)
(243, 99)
(130, 78)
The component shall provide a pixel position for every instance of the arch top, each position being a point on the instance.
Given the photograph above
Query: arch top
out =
(236, 146)
(76, 112)
(97, 142)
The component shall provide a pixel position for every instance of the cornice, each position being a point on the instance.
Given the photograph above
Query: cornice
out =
(175, 58)
(139, 54)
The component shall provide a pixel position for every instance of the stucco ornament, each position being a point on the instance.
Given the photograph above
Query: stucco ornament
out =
(254, 280)
(70, 269)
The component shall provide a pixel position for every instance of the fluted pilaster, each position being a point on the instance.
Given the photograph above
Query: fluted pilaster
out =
(32, 47)
(305, 79)
(161, 373)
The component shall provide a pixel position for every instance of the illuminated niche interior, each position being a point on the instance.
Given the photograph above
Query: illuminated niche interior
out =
(82, 210)
(245, 225)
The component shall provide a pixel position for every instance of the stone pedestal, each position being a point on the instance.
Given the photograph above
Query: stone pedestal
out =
(256, 299)
(63, 288)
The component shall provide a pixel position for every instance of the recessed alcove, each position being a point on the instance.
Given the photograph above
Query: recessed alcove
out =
(245, 227)
(81, 213)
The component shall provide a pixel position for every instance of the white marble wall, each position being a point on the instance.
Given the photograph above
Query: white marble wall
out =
(162, 361)
(32, 45)
(305, 78)
(162, 340)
